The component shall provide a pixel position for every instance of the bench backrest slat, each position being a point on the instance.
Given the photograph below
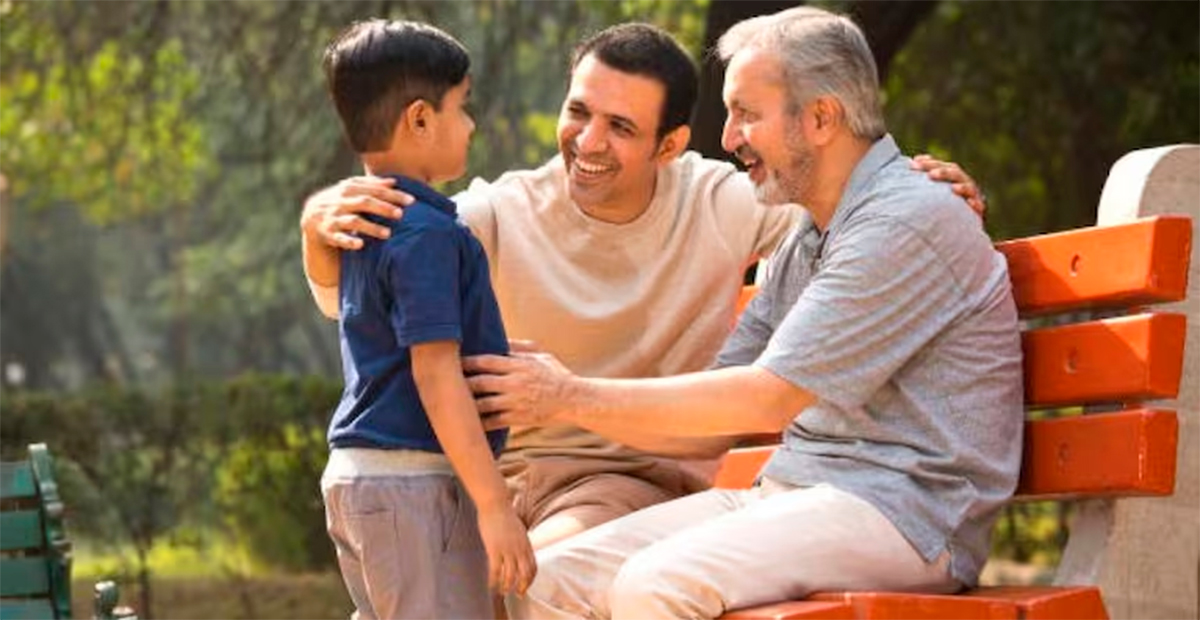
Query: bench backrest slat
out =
(24, 577)
(1124, 453)
(1113, 360)
(16, 480)
(21, 529)
(1139, 263)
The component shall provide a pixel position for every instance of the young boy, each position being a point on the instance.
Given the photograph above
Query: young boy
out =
(406, 434)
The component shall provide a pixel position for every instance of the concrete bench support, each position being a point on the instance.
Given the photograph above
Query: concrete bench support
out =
(1144, 553)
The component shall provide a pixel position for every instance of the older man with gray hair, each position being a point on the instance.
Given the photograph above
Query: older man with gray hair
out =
(884, 345)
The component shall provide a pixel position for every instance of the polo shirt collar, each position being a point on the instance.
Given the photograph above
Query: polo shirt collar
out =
(426, 194)
(882, 153)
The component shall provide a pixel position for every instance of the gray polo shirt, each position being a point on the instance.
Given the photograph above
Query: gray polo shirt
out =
(900, 319)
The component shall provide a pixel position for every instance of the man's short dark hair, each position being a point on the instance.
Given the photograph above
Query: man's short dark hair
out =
(645, 50)
(376, 68)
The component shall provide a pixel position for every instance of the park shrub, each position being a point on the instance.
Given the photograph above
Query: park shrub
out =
(137, 464)
(268, 495)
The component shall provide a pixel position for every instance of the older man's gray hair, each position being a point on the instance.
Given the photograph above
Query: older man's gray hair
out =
(821, 53)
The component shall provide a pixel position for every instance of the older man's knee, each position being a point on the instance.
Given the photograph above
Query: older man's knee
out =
(654, 585)
(562, 587)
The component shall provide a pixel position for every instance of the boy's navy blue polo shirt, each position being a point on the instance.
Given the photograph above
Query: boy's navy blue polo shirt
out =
(429, 281)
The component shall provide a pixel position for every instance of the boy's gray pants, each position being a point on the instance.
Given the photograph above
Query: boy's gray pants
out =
(408, 545)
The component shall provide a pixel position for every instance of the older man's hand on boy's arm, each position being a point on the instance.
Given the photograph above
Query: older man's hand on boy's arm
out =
(437, 372)
(960, 182)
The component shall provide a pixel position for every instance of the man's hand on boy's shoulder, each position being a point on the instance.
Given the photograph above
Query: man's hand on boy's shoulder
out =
(334, 215)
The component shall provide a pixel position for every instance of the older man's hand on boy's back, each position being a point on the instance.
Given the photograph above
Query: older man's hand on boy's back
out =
(511, 563)
(334, 214)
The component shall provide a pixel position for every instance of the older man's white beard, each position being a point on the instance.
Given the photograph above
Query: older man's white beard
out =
(780, 189)
(770, 192)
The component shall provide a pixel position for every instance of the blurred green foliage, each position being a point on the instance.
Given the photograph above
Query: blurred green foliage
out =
(265, 495)
(158, 157)
(1038, 99)
(75, 131)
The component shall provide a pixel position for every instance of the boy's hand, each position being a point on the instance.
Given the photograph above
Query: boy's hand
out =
(511, 564)
(333, 215)
(960, 182)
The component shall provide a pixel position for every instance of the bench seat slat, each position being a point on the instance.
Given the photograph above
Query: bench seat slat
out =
(1126, 453)
(795, 610)
(1134, 264)
(1048, 602)
(903, 606)
(1023, 602)
(1113, 360)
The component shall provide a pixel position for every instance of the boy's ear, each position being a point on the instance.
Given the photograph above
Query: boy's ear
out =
(417, 117)
(673, 144)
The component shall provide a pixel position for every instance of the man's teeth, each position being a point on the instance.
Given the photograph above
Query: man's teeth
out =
(590, 168)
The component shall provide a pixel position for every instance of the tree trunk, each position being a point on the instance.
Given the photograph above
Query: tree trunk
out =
(888, 25)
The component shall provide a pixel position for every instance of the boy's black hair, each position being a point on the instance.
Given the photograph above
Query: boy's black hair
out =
(376, 68)
(645, 50)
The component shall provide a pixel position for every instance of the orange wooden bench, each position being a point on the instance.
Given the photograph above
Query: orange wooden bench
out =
(1072, 360)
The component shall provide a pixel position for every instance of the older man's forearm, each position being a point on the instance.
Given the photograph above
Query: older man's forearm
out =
(715, 403)
(673, 446)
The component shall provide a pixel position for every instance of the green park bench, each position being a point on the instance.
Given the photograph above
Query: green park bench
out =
(1095, 350)
(35, 555)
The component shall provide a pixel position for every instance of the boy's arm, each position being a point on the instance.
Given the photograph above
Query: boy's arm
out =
(437, 372)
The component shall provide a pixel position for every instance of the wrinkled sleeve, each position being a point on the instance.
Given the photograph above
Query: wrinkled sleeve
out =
(422, 270)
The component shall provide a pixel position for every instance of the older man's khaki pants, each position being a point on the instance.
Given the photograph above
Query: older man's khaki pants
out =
(702, 555)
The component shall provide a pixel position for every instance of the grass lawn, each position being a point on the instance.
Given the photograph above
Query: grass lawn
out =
(320, 595)
(213, 580)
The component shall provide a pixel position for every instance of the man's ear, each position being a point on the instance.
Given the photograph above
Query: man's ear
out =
(673, 144)
(823, 118)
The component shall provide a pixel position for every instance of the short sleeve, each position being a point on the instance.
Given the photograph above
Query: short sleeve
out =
(422, 271)
(881, 295)
(749, 336)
